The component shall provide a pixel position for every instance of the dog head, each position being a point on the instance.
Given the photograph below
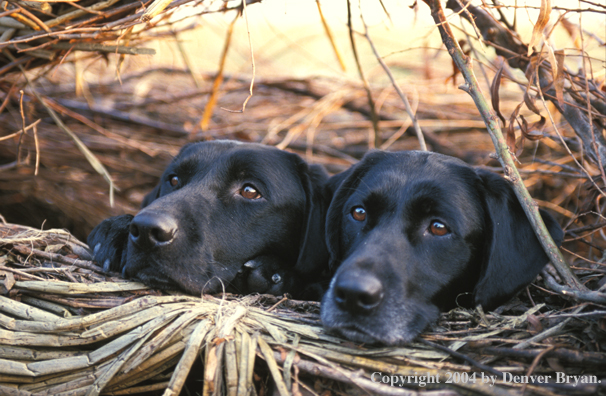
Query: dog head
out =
(414, 233)
(225, 215)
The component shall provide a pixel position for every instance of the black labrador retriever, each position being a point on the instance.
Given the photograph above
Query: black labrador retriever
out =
(240, 217)
(416, 233)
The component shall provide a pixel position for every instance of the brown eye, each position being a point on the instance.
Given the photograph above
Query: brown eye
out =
(249, 192)
(358, 213)
(174, 181)
(438, 229)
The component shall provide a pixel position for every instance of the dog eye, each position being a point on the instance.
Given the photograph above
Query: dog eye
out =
(358, 213)
(250, 192)
(438, 228)
(174, 181)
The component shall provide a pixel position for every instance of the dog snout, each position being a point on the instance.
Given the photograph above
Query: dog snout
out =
(358, 292)
(150, 229)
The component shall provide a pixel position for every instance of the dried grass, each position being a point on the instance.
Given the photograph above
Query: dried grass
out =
(35, 34)
(144, 340)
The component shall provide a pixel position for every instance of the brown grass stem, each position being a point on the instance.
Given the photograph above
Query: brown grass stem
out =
(374, 138)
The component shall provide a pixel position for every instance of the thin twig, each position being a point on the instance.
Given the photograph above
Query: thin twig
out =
(330, 36)
(507, 44)
(464, 357)
(12, 135)
(37, 149)
(95, 163)
(535, 363)
(584, 62)
(549, 332)
(95, 47)
(7, 98)
(214, 93)
(129, 142)
(35, 19)
(78, 13)
(557, 131)
(375, 135)
(592, 296)
(167, 128)
(212, 100)
(403, 97)
(473, 23)
(58, 258)
(339, 374)
(252, 61)
(187, 61)
(22, 126)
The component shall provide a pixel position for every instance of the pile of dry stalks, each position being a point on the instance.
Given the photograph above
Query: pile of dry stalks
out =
(68, 329)
(44, 33)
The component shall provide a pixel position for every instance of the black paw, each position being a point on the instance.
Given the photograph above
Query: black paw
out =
(261, 275)
(108, 241)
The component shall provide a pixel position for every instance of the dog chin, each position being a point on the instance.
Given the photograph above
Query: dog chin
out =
(355, 334)
(378, 331)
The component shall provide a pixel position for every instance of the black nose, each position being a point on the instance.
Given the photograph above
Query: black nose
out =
(150, 229)
(358, 292)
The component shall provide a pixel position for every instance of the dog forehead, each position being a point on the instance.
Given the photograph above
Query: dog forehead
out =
(229, 161)
(402, 170)
(421, 182)
(207, 152)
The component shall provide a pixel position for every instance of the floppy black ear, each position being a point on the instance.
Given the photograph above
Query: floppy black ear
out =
(313, 255)
(152, 196)
(514, 254)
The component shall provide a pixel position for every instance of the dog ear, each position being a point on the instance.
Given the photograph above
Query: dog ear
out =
(312, 252)
(514, 256)
(152, 196)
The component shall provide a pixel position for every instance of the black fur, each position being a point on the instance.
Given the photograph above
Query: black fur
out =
(394, 275)
(202, 235)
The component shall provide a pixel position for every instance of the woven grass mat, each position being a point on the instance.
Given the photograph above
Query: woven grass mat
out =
(66, 328)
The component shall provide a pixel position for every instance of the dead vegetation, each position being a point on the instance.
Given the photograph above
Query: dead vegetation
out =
(69, 329)
(551, 109)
